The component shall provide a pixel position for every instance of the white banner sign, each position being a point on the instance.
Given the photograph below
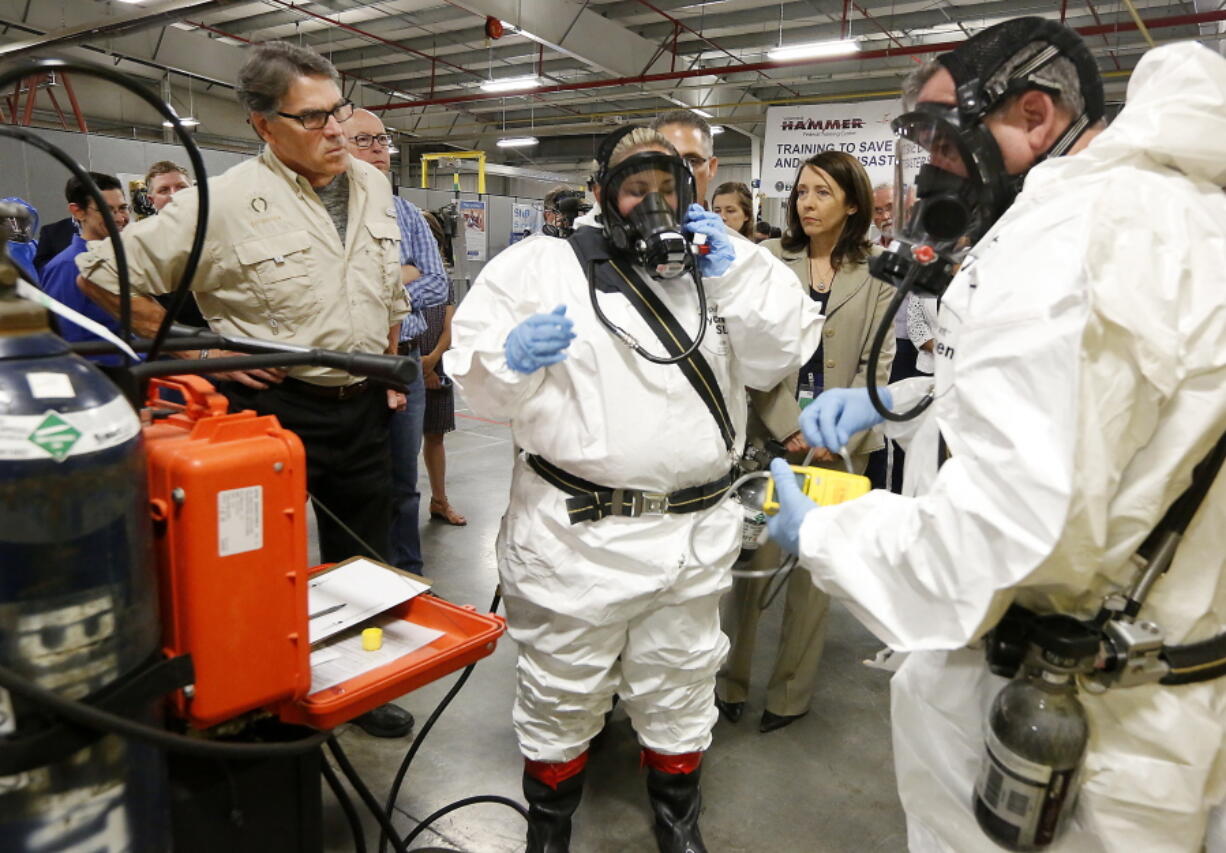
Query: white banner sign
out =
(796, 133)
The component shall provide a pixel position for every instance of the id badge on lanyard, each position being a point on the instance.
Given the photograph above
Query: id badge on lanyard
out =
(806, 393)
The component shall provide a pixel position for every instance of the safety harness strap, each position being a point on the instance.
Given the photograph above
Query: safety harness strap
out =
(588, 245)
(592, 502)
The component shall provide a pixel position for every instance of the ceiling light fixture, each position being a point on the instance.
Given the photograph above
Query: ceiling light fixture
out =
(839, 47)
(404, 96)
(229, 40)
(186, 121)
(517, 141)
(183, 25)
(511, 84)
(702, 113)
(717, 129)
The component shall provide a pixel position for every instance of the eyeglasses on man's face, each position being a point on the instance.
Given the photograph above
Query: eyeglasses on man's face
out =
(695, 161)
(318, 119)
(365, 140)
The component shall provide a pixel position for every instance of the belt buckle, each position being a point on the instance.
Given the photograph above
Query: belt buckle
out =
(351, 390)
(653, 503)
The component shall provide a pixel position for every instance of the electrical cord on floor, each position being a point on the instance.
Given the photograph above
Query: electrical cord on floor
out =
(351, 813)
(403, 770)
(384, 817)
(459, 804)
(99, 720)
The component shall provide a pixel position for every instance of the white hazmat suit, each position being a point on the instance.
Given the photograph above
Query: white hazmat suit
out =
(1080, 376)
(580, 596)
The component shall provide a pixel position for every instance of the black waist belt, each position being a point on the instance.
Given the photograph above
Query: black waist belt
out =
(591, 502)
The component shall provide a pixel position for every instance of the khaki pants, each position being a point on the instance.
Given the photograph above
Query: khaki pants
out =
(800, 642)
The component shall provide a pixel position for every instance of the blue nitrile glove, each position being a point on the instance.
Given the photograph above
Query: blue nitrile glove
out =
(794, 505)
(836, 415)
(538, 341)
(717, 261)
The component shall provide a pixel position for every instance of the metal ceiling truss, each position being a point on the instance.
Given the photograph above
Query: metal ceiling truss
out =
(600, 61)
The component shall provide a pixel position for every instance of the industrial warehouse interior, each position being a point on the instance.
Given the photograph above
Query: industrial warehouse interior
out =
(397, 400)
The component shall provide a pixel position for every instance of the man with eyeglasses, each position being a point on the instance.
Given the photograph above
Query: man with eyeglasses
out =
(302, 248)
(690, 134)
(426, 281)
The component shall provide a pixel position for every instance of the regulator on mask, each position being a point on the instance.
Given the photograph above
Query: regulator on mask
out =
(950, 180)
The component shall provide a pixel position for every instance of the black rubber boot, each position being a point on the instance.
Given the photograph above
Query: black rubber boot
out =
(549, 812)
(676, 801)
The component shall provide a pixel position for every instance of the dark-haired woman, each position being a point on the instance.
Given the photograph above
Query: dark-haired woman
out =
(826, 245)
(734, 205)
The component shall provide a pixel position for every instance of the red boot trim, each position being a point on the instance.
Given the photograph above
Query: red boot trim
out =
(554, 773)
(687, 762)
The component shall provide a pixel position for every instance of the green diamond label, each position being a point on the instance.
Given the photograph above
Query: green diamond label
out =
(55, 435)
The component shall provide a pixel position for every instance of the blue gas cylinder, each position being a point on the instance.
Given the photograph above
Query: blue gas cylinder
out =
(78, 600)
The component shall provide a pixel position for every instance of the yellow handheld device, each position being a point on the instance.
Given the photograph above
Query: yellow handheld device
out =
(824, 486)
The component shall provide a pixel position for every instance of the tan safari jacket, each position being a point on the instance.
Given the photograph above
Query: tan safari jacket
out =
(273, 266)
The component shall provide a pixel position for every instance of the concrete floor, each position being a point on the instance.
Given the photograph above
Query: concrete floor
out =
(824, 784)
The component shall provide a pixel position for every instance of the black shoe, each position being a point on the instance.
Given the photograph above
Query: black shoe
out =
(549, 813)
(676, 801)
(771, 722)
(731, 711)
(386, 721)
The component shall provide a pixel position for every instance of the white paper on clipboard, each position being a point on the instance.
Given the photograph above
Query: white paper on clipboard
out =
(352, 592)
(342, 658)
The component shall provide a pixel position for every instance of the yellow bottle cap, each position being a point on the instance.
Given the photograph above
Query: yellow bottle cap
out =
(372, 639)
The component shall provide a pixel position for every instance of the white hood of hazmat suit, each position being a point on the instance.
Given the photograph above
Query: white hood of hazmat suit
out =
(1080, 377)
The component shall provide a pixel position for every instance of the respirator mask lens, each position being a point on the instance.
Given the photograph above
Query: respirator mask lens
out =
(936, 183)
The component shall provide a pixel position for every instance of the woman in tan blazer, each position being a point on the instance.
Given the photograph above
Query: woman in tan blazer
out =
(826, 245)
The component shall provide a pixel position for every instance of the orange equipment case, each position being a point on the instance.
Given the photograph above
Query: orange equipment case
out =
(228, 498)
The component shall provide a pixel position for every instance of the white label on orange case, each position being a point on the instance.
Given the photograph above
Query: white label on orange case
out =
(240, 520)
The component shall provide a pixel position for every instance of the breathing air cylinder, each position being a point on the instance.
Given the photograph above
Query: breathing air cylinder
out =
(751, 496)
(1036, 739)
(78, 601)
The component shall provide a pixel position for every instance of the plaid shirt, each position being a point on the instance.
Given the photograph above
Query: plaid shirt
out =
(418, 247)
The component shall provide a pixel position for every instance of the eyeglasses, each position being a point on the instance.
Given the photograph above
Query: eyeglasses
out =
(318, 119)
(365, 140)
(695, 161)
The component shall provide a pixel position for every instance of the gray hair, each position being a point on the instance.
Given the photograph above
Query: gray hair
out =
(916, 81)
(1060, 74)
(687, 118)
(270, 69)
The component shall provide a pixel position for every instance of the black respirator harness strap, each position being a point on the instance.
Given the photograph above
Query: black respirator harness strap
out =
(1192, 662)
(1188, 663)
(666, 328)
(592, 502)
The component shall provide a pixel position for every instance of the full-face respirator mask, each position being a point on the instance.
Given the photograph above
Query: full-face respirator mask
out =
(650, 233)
(567, 206)
(643, 200)
(950, 180)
